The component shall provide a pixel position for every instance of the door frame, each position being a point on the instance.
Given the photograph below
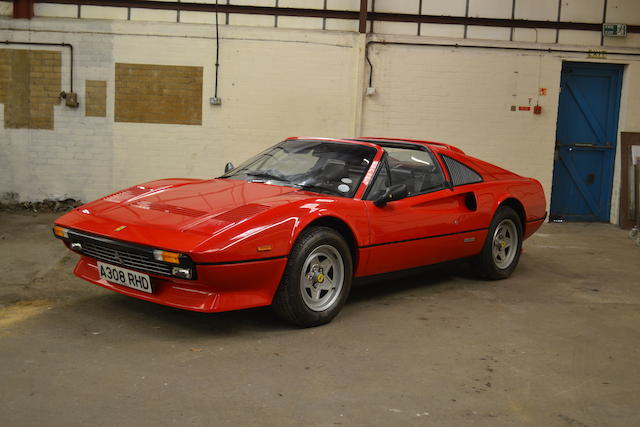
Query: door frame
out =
(627, 140)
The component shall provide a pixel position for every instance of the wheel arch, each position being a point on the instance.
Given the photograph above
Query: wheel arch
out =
(341, 227)
(517, 206)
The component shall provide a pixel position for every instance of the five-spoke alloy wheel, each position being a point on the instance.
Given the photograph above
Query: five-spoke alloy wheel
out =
(322, 278)
(501, 251)
(505, 239)
(317, 280)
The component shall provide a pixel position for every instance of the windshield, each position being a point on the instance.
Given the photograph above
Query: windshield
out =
(321, 166)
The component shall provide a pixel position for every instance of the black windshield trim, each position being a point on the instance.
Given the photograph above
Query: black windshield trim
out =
(235, 173)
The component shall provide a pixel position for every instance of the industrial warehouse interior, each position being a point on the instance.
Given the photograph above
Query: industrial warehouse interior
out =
(320, 212)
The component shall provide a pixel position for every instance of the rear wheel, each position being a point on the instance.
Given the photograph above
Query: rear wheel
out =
(317, 280)
(501, 251)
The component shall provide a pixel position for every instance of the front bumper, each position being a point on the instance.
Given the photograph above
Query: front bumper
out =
(220, 287)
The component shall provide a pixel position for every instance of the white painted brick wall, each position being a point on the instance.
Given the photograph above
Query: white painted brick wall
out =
(490, 8)
(102, 12)
(309, 4)
(464, 98)
(409, 28)
(575, 37)
(395, 6)
(278, 82)
(539, 10)
(153, 15)
(582, 10)
(626, 11)
(55, 10)
(444, 8)
(274, 83)
(620, 11)
(299, 22)
(488, 33)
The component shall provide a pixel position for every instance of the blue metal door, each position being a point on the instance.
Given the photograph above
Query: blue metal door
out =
(586, 138)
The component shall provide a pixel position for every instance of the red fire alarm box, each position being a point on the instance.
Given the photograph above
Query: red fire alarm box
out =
(537, 109)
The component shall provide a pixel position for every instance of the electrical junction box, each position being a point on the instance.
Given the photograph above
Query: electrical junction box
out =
(70, 99)
(614, 30)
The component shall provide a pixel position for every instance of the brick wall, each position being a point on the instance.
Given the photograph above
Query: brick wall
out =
(464, 98)
(590, 11)
(74, 158)
(276, 83)
(167, 94)
(29, 87)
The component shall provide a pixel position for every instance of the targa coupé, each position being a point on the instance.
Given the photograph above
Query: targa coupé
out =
(294, 225)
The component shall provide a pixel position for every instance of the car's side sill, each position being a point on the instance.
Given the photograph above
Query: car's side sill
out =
(361, 280)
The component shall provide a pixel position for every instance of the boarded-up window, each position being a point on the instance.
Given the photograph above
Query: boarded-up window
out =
(158, 94)
(29, 87)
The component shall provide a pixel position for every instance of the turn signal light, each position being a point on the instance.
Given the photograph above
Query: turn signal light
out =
(61, 231)
(165, 256)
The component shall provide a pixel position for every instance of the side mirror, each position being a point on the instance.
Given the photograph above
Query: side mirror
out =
(395, 192)
(228, 167)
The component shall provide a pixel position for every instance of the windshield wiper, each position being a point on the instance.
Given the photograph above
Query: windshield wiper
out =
(319, 189)
(265, 175)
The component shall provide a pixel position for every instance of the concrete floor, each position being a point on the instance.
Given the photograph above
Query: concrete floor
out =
(558, 344)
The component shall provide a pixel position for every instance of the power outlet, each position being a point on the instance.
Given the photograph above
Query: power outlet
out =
(214, 100)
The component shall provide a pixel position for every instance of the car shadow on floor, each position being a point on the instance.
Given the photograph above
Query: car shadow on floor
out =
(138, 315)
(431, 279)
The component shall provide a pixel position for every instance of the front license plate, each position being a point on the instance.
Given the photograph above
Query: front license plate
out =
(125, 277)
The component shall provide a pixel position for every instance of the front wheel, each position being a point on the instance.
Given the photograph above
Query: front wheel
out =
(501, 251)
(317, 280)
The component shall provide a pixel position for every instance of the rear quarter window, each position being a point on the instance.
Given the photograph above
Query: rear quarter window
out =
(461, 174)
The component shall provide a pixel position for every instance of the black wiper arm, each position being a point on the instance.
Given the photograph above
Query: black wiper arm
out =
(266, 175)
(320, 189)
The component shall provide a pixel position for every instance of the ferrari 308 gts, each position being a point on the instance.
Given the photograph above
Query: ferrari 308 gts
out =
(293, 226)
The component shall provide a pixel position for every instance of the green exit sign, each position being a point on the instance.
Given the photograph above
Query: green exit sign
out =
(614, 30)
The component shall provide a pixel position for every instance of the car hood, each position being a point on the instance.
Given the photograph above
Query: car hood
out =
(184, 212)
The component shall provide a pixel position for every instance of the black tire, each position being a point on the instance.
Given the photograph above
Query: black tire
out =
(490, 265)
(301, 301)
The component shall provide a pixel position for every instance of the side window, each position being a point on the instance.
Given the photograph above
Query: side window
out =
(416, 168)
(460, 173)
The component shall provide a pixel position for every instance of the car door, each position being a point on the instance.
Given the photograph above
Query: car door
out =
(434, 223)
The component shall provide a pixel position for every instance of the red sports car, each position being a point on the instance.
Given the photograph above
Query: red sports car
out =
(294, 225)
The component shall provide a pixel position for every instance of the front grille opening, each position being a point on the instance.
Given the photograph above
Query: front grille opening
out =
(125, 258)
(135, 257)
